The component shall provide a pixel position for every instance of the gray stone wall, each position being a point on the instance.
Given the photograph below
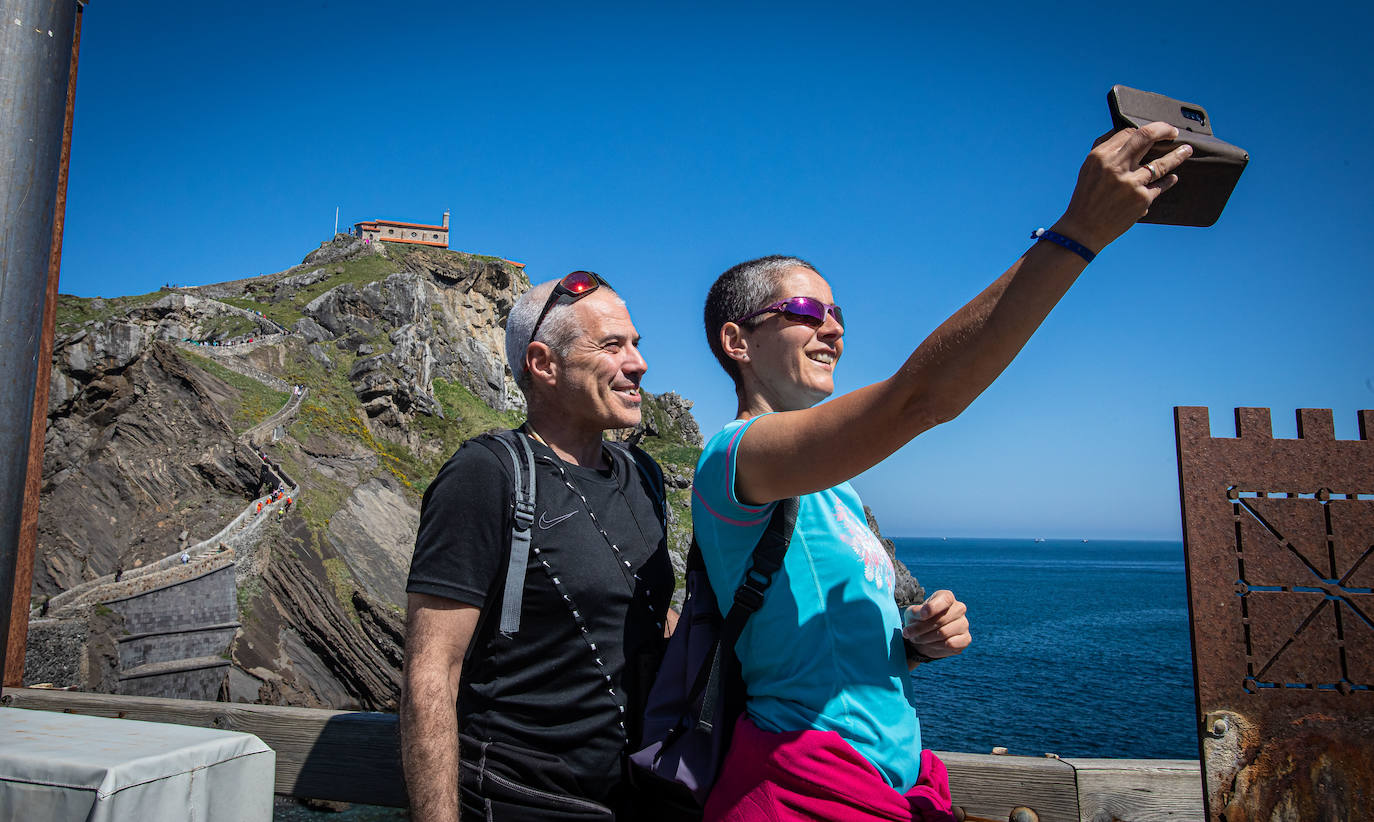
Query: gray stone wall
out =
(206, 600)
(143, 649)
(194, 683)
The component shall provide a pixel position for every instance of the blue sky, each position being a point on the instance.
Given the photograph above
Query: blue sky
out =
(906, 149)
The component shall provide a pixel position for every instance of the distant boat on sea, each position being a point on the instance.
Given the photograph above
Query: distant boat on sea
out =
(1039, 539)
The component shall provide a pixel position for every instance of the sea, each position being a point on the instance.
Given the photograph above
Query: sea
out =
(1080, 648)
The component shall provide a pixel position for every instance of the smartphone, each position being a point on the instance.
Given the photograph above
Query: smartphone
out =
(1206, 179)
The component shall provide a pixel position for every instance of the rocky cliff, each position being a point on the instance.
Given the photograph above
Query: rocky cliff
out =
(287, 424)
(346, 381)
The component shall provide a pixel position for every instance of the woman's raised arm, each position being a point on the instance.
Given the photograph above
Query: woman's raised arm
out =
(805, 450)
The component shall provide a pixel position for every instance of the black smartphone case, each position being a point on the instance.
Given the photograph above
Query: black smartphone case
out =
(1205, 180)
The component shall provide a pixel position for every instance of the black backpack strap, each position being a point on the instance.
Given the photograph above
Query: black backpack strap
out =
(651, 472)
(764, 563)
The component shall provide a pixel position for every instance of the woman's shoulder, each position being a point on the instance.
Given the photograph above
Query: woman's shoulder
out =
(714, 485)
(721, 438)
(718, 452)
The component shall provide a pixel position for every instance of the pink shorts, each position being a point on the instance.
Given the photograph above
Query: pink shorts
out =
(816, 775)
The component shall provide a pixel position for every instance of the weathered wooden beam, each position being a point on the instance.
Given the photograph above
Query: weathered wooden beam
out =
(990, 786)
(354, 756)
(1141, 790)
(348, 756)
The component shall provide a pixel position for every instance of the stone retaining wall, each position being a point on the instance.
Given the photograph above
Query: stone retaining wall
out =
(206, 599)
(202, 680)
(188, 643)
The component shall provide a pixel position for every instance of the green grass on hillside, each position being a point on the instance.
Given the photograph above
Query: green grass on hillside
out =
(72, 312)
(331, 411)
(227, 326)
(678, 454)
(247, 593)
(256, 401)
(246, 303)
(359, 271)
(465, 416)
(341, 580)
(465, 408)
(669, 447)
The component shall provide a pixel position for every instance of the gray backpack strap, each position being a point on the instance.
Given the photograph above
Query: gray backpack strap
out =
(520, 530)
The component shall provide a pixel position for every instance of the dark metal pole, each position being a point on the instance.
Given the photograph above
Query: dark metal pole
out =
(35, 58)
(13, 665)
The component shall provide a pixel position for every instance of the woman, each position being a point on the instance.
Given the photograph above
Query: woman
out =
(830, 731)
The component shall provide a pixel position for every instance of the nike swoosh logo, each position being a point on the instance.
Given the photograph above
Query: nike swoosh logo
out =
(545, 523)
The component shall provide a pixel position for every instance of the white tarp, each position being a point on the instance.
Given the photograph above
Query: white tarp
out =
(56, 766)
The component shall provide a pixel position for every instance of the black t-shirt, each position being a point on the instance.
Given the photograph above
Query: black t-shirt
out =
(551, 699)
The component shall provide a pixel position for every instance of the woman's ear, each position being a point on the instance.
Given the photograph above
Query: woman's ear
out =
(541, 364)
(734, 343)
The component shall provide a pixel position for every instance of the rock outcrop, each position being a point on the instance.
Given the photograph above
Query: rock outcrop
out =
(346, 382)
(907, 589)
(171, 412)
(137, 450)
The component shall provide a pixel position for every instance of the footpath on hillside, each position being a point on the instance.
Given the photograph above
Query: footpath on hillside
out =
(242, 532)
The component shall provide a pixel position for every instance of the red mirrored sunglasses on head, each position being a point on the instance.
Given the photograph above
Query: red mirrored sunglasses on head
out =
(570, 289)
(804, 310)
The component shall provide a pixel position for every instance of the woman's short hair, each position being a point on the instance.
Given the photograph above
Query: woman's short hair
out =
(744, 288)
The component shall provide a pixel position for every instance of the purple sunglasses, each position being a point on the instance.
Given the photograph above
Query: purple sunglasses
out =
(805, 310)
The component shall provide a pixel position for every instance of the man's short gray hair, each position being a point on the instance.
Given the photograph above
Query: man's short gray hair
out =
(559, 330)
(743, 289)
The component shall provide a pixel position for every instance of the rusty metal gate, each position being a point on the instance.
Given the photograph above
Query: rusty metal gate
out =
(1279, 537)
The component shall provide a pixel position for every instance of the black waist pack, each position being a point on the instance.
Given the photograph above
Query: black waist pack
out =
(1206, 179)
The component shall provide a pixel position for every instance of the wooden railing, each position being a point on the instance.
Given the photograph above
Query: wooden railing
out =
(353, 756)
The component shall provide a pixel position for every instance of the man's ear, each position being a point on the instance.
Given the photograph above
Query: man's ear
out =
(541, 363)
(734, 343)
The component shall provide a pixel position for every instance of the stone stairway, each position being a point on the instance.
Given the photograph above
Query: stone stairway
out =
(180, 612)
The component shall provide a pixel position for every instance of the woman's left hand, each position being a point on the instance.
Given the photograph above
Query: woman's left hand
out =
(938, 627)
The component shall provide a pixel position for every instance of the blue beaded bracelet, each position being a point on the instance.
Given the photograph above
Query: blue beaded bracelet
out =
(1059, 239)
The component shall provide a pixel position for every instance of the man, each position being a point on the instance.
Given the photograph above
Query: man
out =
(543, 715)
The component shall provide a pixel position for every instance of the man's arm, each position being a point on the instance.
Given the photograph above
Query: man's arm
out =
(438, 631)
(778, 457)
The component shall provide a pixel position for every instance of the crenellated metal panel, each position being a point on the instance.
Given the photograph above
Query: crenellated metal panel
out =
(1279, 538)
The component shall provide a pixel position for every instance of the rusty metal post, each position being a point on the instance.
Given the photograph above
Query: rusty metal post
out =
(28, 523)
(1279, 539)
(35, 53)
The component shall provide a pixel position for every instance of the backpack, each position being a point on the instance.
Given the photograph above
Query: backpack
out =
(699, 692)
(516, 445)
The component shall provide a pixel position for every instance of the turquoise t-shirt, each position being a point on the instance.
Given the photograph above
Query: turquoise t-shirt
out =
(825, 651)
